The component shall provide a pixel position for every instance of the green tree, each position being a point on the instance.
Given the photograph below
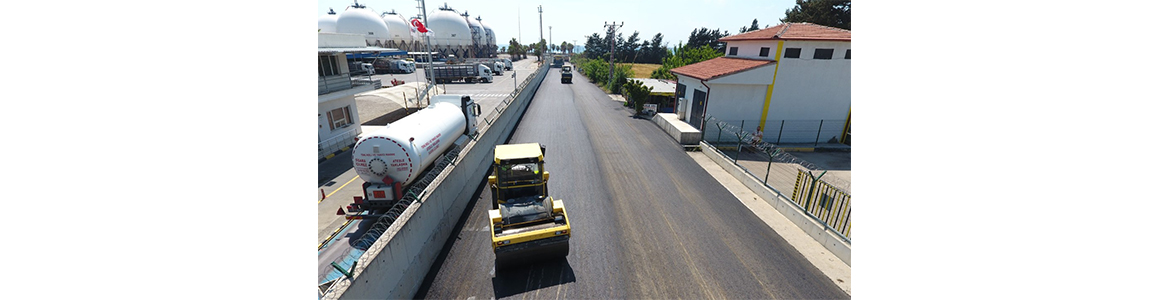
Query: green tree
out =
(832, 13)
(515, 49)
(620, 75)
(681, 56)
(595, 46)
(539, 48)
(755, 26)
(703, 36)
(636, 94)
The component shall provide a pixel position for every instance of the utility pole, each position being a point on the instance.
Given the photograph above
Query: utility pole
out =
(550, 40)
(519, 38)
(422, 8)
(612, 35)
(540, 11)
(573, 47)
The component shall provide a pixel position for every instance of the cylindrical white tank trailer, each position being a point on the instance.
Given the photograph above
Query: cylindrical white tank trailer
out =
(392, 157)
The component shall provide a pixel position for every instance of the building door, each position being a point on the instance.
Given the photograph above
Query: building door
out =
(697, 107)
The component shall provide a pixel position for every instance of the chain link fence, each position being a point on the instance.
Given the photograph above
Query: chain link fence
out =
(782, 172)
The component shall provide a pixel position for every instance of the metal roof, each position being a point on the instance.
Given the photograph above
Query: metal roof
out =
(518, 151)
(361, 50)
(658, 87)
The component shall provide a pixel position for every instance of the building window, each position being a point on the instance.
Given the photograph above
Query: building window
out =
(733, 51)
(792, 53)
(339, 118)
(681, 90)
(847, 53)
(823, 54)
(327, 66)
(764, 51)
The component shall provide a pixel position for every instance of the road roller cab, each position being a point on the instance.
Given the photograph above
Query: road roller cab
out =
(527, 224)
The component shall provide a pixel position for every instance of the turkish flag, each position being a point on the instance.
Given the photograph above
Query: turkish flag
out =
(418, 25)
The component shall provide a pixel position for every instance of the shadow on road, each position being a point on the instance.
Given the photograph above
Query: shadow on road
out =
(333, 167)
(532, 277)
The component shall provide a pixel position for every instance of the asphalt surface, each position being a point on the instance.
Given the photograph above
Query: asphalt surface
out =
(648, 222)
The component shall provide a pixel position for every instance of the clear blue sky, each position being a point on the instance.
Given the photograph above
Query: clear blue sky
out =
(577, 19)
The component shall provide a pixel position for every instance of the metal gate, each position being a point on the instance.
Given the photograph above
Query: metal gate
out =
(827, 203)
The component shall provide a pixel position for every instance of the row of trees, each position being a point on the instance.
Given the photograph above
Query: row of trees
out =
(515, 49)
(597, 70)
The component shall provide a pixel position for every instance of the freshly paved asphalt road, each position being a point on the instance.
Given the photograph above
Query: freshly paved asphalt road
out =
(648, 222)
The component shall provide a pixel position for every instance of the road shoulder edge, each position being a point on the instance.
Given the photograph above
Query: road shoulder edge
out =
(820, 257)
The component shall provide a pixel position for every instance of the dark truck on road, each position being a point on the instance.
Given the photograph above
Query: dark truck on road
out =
(567, 74)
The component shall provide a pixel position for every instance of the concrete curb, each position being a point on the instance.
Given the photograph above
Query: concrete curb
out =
(333, 235)
(811, 226)
(334, 154)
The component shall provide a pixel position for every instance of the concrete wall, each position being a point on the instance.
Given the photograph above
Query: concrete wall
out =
(685, 103)
(812, 89)
(394, 267)
(680, 131)
(331, 140)
(736, 101)
(751, 49)
(810, 225)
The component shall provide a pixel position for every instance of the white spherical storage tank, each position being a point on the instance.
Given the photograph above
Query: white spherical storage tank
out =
(327, 22)
(477, 33)
(491, 35)
(450, 28)
(357, 19)
(399, 30)
(402, 149)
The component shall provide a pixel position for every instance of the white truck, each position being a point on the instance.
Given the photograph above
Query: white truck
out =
(499, 68)
(361, 68)
(462, 72)
(394, 66)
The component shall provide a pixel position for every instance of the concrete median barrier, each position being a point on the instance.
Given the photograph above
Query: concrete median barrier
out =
(394, 267)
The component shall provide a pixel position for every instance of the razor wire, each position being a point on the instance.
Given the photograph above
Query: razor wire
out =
(775, 152)
(415, 191)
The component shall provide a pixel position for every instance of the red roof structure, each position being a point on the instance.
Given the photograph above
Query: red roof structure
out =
(794, 31)
(719, 66)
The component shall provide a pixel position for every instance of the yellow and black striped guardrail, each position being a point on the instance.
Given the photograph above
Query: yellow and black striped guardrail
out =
(823, 201)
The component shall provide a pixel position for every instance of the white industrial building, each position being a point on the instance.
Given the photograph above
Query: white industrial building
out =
(336, 87)
(791, 80)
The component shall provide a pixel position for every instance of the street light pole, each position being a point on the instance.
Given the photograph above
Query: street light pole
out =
(540, 11)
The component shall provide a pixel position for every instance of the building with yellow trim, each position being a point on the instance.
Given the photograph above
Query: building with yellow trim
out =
(795, 75)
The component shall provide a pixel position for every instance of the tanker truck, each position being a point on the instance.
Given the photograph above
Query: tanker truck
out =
(390, 158)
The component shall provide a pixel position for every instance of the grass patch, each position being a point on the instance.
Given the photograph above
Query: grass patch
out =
(642, 70)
